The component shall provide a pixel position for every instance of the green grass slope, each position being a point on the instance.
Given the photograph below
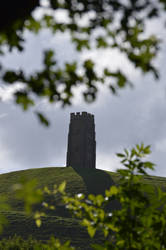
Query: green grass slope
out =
(59, 223)
(83, 181)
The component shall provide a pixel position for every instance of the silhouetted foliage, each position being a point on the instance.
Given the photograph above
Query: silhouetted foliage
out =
(109, 24)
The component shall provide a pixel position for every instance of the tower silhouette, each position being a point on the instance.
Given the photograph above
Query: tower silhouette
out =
(81, 152)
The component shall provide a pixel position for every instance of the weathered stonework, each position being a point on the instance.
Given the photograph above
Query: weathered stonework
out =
(81, 152)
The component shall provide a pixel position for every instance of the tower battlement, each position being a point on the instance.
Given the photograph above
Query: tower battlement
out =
(81, 115)
(81, 152)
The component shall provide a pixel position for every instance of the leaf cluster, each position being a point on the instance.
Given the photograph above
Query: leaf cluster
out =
(109, 25)
(140, 221)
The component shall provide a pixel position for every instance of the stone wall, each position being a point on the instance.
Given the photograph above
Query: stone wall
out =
(81, 151)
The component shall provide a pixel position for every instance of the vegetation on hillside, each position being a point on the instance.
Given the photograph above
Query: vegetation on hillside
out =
(130, 214)
(59, 223)
(17, 243)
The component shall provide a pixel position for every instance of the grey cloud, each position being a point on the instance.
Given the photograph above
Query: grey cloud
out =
(31, 145)
(135, 116)
(120, 122)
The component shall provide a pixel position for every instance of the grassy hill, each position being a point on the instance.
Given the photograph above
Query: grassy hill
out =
(59, 223)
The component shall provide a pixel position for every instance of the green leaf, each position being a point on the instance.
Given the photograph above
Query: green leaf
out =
(149, 165)
(98, 247)
(114, 190)
(62, 187)
(28, 192)
(126, 151)
(38, 222)
(89, 64)
(33, 25)
(120, 155)
(23, 99)
(99, 199)
(147, 150)
(42, 119)
(120, 243)
(101, 42)
(91, 231)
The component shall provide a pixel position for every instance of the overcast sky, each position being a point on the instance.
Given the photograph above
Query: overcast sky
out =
(134, 116)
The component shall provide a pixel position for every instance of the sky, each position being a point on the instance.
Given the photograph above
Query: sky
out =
(136, 115)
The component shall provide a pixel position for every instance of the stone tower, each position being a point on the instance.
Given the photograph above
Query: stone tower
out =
(81, 152)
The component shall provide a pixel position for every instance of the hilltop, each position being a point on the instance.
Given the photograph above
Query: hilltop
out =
(58, 223)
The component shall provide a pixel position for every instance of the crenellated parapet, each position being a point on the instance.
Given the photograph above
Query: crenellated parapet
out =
(81, 115)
